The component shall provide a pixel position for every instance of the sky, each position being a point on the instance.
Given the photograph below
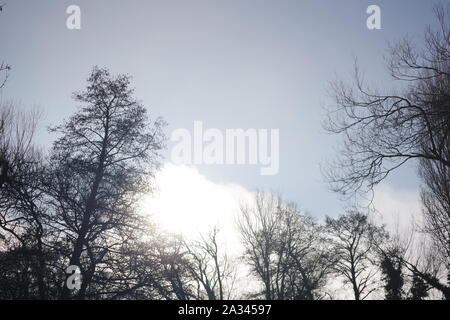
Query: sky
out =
(230, 64)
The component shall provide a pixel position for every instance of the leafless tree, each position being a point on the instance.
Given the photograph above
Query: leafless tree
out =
(17, 131)
(384, 131)
(101, 165)
(436, 206)
(354, 240)
(80, 206)
(22, 201)
(211, 267)
(282, 247)
(177, 267)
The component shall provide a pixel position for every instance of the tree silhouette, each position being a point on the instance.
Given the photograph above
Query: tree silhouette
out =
(419, 289)
(211, 269)
(22, 200)
(391, 267)
(354, 239)
(435, 198)
(101, 165)
(282, 247)
(384, 131)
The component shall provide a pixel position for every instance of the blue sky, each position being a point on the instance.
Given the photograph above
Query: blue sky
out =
(231, 64)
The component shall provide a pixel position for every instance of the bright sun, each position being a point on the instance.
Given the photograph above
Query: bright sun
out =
(187, 202)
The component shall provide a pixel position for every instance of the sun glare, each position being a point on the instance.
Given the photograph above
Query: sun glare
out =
(187, 202)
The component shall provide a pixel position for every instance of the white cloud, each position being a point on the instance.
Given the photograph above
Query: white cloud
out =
(398, 209)
(187, 202)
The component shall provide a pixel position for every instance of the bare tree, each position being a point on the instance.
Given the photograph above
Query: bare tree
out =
(436, 206)
(210, 268)
(354, 240)
(426, 267)
(101, 165)
(384, 131)
(22, 201)
(86, 195)
(282, 247)
(177, 267)
(257, 226)
(17, 151)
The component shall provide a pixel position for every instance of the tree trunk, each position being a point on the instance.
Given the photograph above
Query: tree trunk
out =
(80, 242)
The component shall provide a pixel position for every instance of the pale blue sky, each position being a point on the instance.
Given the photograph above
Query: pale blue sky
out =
(231, 64)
